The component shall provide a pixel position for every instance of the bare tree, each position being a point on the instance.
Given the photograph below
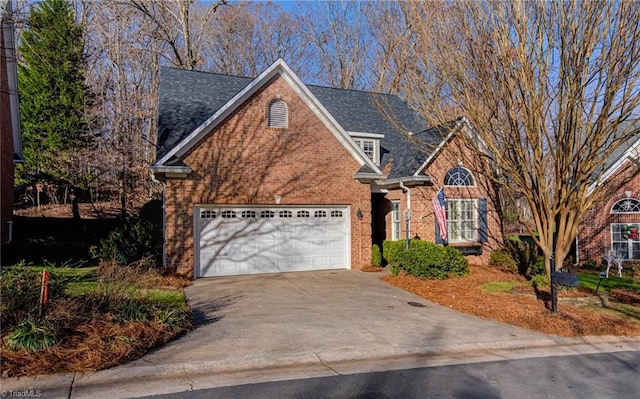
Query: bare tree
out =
(337, 31)
(245, 38)
(125, 57)
(180, 25)
(549, 87)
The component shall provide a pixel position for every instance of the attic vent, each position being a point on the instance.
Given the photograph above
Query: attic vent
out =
(278, 116)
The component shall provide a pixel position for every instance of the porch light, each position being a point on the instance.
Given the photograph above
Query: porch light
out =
(359, 214)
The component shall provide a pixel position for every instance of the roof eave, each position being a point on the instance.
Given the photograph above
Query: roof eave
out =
(160, 172)
(363, 177)
(408, 181)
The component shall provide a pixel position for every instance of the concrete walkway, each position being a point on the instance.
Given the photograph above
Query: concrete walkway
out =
(301, 325)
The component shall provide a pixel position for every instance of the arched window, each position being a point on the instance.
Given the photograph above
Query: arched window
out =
(625, 241)
(459, 176)
(278, 114)
(626, 205)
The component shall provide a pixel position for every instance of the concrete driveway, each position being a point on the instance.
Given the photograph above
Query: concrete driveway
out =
(329, 315)
(300, 325)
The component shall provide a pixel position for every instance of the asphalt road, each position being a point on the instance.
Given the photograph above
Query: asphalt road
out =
(607, 375)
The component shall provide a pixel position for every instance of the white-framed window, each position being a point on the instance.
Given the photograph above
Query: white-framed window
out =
(336, 214)
(625, 240)
(459, 176)
(462, 220)
(320, 214)
(278, 114)
(626, 205)
(395, 220)
(303, 214)
(370, 147)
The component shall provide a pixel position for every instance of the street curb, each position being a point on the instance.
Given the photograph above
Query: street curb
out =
(64, 385)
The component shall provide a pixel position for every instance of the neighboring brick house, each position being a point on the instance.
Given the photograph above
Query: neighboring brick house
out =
(269, 174)
(611, 222)
(10, 136)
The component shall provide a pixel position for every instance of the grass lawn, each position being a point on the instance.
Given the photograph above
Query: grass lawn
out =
(501, 286)
(590, 281)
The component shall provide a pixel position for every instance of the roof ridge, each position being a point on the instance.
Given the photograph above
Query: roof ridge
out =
(354, 90)
(206, 72)
(308, 85)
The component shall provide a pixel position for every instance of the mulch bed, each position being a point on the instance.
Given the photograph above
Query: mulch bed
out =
(98, 344)
(466, 295)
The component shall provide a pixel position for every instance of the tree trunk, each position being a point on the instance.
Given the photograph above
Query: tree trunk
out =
(75, 208)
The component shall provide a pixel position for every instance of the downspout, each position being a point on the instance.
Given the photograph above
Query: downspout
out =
(577, 261)
(164, 218)
(407, 213)
(164, 226)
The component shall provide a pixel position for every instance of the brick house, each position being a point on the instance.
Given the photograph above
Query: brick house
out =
(269, 175)
(10, 136)
(609, 223)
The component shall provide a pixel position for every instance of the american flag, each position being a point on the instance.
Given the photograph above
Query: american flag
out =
(441, 213)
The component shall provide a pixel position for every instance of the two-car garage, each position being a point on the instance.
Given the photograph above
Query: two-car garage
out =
(234, 240)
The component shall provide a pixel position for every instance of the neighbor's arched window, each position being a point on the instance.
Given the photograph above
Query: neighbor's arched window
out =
(625, 241)
(459, 176)
(626, 205)
(278, 114)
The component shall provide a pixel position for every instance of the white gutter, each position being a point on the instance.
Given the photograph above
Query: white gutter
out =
(164, 226)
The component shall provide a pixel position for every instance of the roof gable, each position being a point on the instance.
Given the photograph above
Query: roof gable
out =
(177, 143)
(629, 150)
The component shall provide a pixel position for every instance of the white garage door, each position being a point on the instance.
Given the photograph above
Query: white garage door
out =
(249, 240)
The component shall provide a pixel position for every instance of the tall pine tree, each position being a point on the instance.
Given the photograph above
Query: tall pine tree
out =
(52, 92)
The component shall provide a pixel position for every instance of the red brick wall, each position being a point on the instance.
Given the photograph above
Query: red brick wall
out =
(244, 162)
(594, 237)
(423, 220)
(6, 151)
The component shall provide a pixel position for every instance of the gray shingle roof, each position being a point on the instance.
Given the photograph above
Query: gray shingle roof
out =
(189, 98)
(629, 128)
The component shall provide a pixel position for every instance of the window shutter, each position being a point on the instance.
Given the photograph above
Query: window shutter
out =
(278, 117)
(439, 239)
(483, 230)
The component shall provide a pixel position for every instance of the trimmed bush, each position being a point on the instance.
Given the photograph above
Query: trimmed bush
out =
(376, 256)
(391, 251)
(458, 264)
(501, 259)
(425, 259)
